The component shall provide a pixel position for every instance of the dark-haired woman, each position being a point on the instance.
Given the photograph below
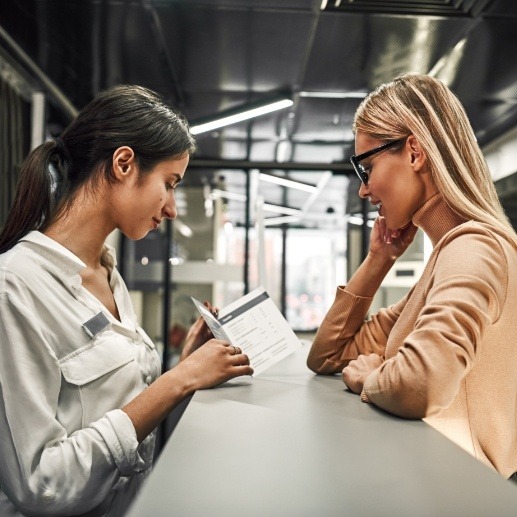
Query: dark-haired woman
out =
(81, 390)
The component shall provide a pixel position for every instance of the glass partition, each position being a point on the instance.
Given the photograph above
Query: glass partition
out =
(237, 230)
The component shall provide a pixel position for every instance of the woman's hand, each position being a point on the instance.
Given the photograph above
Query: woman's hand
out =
(391, 243)
(198, 334)
(213, 363)
(358, 370)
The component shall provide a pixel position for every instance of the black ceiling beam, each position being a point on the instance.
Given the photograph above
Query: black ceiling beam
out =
(470, 8)
(200, 163)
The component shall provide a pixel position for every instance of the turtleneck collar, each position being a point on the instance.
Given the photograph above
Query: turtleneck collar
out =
(436, 218)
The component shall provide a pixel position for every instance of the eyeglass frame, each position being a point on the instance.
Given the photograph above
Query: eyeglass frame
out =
(356, 159)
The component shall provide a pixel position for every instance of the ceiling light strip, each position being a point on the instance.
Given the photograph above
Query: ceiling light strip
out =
(239, 117)
(278, 209)
(217, 193)
(273, 221)
(284, 182)
(333, 95)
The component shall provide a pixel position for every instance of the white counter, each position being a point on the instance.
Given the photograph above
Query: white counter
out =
(290, 443)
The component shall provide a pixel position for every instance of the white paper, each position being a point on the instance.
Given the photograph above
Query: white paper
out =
(256, 326)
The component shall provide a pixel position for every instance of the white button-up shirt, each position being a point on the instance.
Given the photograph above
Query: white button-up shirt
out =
(66, 448)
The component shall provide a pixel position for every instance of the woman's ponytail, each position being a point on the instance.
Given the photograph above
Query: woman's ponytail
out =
(39, 184)
(53, 174)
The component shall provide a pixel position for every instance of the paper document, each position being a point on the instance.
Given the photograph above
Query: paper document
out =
(256, 326)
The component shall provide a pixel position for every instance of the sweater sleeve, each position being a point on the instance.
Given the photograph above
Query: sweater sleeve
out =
(464, 298)
(45, 470)
(344, 334)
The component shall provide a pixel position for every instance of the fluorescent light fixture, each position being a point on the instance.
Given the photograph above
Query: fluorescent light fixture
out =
(334, 95)
(277, 180)
(233, 116)
(217, 193)
(278, 209)
(272, 221)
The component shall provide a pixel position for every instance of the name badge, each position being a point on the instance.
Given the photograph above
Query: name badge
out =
(96, 324)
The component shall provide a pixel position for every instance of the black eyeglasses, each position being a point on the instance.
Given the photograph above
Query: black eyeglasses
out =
(357, 159)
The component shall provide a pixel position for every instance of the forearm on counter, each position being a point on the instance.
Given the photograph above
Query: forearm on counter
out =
(148, 409)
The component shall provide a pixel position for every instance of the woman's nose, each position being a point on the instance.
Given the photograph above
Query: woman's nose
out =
(363, 190)
(169, 209)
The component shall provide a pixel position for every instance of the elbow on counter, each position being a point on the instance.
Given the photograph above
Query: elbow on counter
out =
(410, 404)
(321, 365)
(314, 364)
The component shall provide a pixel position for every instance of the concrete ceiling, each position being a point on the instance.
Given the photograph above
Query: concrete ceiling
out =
(206, 56)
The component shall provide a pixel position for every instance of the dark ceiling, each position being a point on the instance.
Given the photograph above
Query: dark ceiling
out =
(206, 56)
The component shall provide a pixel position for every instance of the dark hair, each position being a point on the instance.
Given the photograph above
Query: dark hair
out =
(52, 174)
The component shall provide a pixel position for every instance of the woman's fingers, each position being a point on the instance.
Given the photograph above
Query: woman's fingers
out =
(211, 308)
(245, 369)
(239, 359)
(233, 350)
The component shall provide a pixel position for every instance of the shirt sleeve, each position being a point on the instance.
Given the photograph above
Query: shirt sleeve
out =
(45, 471)
(344, 334)
(463, 300)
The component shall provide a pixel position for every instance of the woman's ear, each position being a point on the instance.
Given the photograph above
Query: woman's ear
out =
(124, 163)
(416, 153)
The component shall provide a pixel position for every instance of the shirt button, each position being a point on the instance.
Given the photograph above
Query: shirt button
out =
(47, 495)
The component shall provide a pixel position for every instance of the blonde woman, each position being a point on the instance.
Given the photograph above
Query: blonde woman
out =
(447, 351)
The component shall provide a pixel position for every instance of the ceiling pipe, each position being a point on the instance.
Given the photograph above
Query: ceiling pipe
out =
(471, 8)
(19, 82)
(54, 93)
(163, 51)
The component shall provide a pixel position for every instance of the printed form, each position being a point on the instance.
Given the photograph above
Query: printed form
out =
(256, 326)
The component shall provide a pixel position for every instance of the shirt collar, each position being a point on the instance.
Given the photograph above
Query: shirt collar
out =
(69, 263)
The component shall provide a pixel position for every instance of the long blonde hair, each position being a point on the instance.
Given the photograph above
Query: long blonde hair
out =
(422, 106)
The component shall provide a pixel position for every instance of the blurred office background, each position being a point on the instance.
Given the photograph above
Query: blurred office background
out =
(270, 200)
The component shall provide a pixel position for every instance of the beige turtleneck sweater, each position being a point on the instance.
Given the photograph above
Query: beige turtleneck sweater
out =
(450, 345)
